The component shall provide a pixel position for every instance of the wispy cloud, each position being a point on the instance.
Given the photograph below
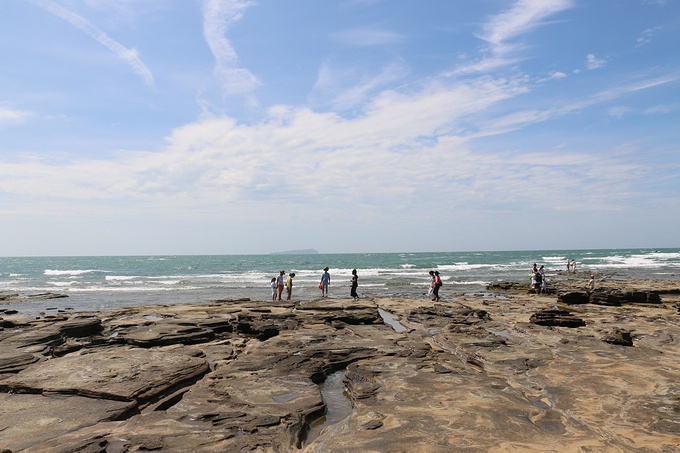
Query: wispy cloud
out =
(347, 89)
(129, 56)
(425, 136)
(500, 30)
(592, 62)
(619, 111)
(12, 116)
(363, 37)
(661, 109)
(647, 36)
(218, 15)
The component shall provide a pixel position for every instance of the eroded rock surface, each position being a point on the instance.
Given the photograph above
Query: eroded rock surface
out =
(504, 371)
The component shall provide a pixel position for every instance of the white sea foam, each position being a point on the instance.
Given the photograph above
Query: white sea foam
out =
(465, 266)
(63, 284)
(119, 278)
(71, 272)
(124, 289)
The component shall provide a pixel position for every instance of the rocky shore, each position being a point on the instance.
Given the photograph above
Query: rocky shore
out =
(506, 370)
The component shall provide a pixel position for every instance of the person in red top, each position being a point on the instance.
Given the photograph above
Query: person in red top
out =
(437, 285)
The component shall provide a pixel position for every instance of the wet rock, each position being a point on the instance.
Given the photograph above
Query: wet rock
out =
(618, 336)
(574, 297)
(561, 318)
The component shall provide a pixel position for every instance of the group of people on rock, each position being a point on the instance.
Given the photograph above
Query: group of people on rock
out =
(571, 266)
(538, 282)
(435, 285)
(281, 282)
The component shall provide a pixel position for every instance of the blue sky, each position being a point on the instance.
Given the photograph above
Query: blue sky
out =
(218, 127)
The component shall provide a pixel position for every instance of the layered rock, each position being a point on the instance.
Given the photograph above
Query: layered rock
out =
(508, 371)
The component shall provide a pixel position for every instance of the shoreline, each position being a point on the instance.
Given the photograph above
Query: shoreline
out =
(509, 370)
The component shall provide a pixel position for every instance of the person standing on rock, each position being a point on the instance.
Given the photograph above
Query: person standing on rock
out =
(431, 288)
(573, 266)
(591, 282)
(538, 281)
(325, 281)
(279, 282)
(544, 286)
(274, 289)
(568, 266)
(355, 283)
(437, 285)
(289, 285)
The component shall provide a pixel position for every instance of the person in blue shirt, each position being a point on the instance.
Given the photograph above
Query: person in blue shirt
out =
(325, 281)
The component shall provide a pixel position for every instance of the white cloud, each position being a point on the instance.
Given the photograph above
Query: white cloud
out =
(363, 37)
(618, 111)
(661, 109)
(524, 16)
(394, 156)
(347, 89)
(12, 116)
(501, 29)
(594, 63)
(129, 56)
(647, 35)
(218, 15)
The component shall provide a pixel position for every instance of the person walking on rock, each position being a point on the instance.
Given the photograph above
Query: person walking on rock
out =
(437, 285)
(355, 283)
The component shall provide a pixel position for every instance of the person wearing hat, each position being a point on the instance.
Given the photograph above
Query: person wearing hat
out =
(289, 285)
(279, 282)
(325, 281)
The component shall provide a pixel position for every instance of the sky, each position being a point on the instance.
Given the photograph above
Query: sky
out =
(136, 127)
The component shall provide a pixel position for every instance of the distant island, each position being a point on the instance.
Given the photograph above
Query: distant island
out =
(297, 252)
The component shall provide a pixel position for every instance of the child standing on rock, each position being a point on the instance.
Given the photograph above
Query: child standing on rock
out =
(274, 289)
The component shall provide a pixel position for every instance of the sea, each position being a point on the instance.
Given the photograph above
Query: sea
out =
(96, 283)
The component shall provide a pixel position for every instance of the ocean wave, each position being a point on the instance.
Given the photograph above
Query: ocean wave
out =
(125, 289)
(465, 266)
(119, 278)
(64, 284)
(71, 272)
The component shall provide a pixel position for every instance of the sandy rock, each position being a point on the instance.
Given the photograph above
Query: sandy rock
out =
(123, 374)
(472, 374)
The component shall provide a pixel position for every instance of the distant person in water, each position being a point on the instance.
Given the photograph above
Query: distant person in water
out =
(325, 281)
(279, 282)
(355, 283)
(437, 285)
(289, 285)
(274, 288)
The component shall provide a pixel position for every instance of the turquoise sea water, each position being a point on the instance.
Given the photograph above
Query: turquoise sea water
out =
(99, 283)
